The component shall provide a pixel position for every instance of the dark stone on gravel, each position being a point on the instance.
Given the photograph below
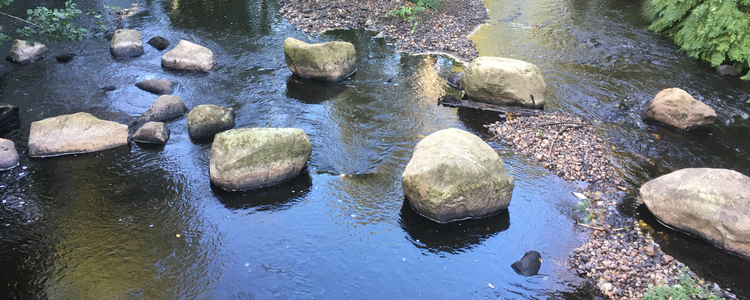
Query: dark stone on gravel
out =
(65, 58)
(529, 264)
(159, 43)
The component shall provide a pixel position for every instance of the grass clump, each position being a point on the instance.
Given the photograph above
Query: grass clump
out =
(687, 288)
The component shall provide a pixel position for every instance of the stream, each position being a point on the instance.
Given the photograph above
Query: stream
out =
(145, 223)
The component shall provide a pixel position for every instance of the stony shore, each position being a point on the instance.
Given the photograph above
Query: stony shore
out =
(444, 30)
(619, 258)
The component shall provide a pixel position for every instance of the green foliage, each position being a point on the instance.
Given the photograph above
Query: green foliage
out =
(688, 288)
(431, 4)
(407, 13)
(717, 31)
(43, 21)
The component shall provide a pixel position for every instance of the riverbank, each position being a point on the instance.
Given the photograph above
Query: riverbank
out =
(444, 30)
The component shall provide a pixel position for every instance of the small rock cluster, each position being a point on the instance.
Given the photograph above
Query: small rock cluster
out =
(444, 30)
(566, 145)
(625, 262)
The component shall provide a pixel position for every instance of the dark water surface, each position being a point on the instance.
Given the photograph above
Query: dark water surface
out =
(105, 225)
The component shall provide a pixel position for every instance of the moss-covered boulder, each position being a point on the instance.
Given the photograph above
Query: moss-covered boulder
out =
(248, 158)
(676, 108)
(332, 61)
(454, 175)
(504, 81)
(126, 43)
(76, 133)
(22, 53)
(206, 120)
(713, 204)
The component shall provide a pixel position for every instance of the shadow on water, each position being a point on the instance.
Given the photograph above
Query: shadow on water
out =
(271, 198)
(702, 257)
(454, 237)
(312, 91)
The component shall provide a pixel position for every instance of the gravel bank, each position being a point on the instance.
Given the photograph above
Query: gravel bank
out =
(444, 30)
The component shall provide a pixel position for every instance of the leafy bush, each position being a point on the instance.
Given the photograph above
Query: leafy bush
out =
(43, 21)
(717, 31)
(688, 288)
(407, 13)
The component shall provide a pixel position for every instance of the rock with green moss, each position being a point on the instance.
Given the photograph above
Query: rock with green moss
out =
(126, 43)
(249, 158)
(504, 81)
(207, 120)
(76, 133)
(454, 175)
(22, 53)
(332, 61)
(711, 203)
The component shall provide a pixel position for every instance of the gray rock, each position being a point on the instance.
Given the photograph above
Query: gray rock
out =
(22, 53)
(332, 61)
(454, 80)
(164, 108)
(152, 133)
(157, 86)
(248, 158)
(454, 175)
(65, 58)
(187, 56)
(711, 203)
(727, 70)
(126, 43)
(504, 81)
(76, 133)
(8, 116)
(676, 108)
(159, 43)
(8, 155)
(207, 120)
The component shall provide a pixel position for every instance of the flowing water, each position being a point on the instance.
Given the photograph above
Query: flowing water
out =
(145, 223)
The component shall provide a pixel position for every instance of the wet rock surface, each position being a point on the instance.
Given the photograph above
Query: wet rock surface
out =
(157, 86)
(152, 133)
(159, 43)
(126, 43)
(207, 120)
(8, 155)
(164, 108)
(22, 53)
(187, 56)
(444, 30)
(75, 133)
(676, 108)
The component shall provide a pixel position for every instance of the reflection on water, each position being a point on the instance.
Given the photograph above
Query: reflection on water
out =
(146, 223)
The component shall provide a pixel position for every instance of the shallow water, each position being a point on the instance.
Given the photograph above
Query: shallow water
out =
(106, 224)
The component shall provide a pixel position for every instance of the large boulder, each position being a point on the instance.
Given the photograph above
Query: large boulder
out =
(187, 56)
(76, 133)
(504, 81)
(8, 116)
(248, 158)
(711, 203)
(23, 53)
(152, 133)
(164, 108)
(454, 175)
(126, 43)
(676, 108)
(207, 120)
(332, 61)
(8, 155)
(157, 86)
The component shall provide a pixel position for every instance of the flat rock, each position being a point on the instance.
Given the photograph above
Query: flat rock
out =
(332, 61)
(187, 56)
(157, 86)
(676, 108)
(711, 203)
(248, 158)
(159, 43)
(504, 81)
(152, 133)
(164, 108)
(126, 43)
(454, 175)
(207, 120)
(23, 53)
(8, 155)
(75, 133)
